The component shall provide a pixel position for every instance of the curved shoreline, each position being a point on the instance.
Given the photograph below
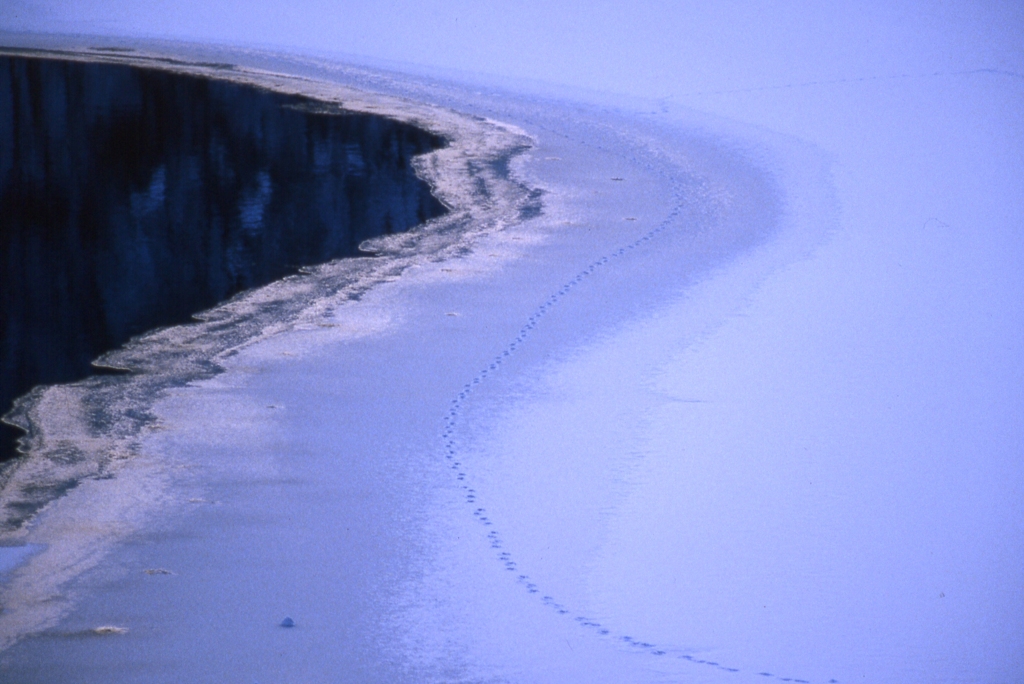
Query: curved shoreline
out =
(80, 430)
(87, 435)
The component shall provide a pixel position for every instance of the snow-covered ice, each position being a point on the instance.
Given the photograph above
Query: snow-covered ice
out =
(742, 402)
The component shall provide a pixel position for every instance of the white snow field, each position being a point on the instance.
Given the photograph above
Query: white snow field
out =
(743, 402)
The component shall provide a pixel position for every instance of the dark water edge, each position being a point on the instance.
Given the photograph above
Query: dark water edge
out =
(131, 199)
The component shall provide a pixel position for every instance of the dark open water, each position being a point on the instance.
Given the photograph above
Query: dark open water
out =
(131, 199)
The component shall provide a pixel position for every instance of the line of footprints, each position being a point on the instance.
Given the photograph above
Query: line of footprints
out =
(480, 513)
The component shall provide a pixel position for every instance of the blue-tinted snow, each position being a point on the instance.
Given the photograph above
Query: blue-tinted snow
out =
(803, 462)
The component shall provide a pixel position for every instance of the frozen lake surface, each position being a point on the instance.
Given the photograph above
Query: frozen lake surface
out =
(740, 403)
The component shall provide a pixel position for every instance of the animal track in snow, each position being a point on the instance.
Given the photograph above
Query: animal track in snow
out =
(462, 472)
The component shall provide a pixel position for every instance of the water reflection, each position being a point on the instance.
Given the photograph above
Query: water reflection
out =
(133, 198)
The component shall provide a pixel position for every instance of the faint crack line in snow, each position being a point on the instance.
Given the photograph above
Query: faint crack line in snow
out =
(840, 81)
